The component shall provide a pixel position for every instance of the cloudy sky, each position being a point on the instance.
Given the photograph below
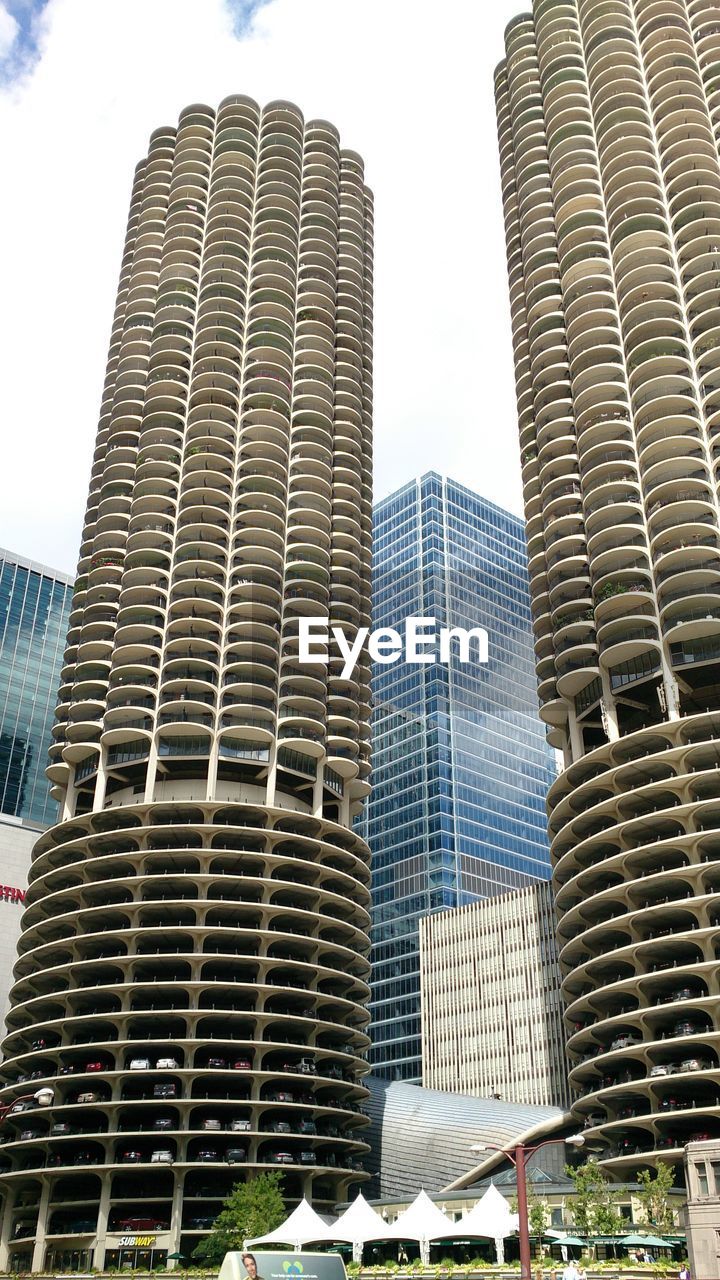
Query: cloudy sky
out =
(409, 85)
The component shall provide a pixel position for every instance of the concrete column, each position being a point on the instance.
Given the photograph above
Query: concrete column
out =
(38, 1259)
(670, 689)
(176, 1218)
(576, 742)
(151, 772)
(69, 800)
(6, 1229)
(317, 800)
(102, 1224)
(272, 775)
(608, 702)
(102, 779)
(212, 769)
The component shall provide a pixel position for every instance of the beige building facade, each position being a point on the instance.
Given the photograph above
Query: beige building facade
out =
(16, 842)
(192, 972)
(702, 1212)
(609, 129)
(490, 1000)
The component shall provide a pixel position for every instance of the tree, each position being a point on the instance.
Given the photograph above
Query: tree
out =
(537, 1211)
(655, 1199)
(595, 1203)
(252, 1209)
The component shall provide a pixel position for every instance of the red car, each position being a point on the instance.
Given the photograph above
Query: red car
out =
(242, 1064)
(94, 1066)
(141, 1224)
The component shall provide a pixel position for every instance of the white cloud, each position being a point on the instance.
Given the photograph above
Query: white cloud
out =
(8, 32)
(408, 83)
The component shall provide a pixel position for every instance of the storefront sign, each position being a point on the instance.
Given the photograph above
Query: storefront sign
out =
(136, 1242)
(11, 894)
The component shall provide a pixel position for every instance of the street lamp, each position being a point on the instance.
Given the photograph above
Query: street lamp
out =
(520, 1155)
(44, 1098)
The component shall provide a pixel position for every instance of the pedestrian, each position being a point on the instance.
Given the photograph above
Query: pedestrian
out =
(684, 1272)
(571, 1272)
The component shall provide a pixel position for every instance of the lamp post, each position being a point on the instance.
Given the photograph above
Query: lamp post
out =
(520, 1155)
(43, 1097)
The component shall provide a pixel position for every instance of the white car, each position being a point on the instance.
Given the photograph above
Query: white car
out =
(162, 1157)
(166, 1064)
(139, 1064)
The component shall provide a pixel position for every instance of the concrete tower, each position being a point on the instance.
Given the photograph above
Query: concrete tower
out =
(192, 971)
(609, 120)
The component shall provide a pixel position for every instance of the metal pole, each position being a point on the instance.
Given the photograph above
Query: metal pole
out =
(520, 1158)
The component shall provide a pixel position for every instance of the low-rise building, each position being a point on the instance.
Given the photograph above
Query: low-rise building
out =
(702, 1213)
(490, 1000)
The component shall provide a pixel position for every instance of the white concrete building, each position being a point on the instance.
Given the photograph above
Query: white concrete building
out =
(490, 1000)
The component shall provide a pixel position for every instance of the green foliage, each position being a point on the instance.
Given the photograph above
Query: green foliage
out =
(252, 1209)
(654, 1197)
(595, 1203)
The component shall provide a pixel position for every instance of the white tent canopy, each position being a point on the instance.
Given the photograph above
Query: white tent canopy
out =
(421, 1221)
(356, 1226)
(304, 1226)
(490, 1218)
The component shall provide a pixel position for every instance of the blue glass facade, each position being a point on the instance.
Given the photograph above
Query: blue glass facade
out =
(460, 762)
(34, 613)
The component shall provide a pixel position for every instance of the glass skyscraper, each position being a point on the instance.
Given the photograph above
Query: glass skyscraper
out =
(460, 762)
(34, 613)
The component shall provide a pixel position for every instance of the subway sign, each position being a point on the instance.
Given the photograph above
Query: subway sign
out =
(136, 1242)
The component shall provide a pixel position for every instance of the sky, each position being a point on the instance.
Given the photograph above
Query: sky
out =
(409, 84)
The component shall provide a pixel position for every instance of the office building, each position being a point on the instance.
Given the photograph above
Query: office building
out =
(611, 182)
(492, 1021)
(460, 762)
(34, 610)
(193, 967)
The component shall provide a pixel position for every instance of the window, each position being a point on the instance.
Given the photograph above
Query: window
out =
(702, 1179)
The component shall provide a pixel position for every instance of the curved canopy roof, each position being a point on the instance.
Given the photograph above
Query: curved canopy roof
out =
(424, 1136)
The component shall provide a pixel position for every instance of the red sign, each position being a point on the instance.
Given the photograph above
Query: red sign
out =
(11, 894)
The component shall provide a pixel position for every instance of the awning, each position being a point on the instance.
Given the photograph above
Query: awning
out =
(304, 1226)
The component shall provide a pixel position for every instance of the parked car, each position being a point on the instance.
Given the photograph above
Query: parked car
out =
(28, 1105)
(59, 1128)
(139, 1064)
(695, 1064)
(67, 1071)
(242, 1064)
(700, 1136)
(166, 1064)
(217, 1064)
(624, 1041)
(664, 1069)
(83, 1225)
(308, 1157)
(167, 1090)
(200, 1222)
(280, 1157)
(207, 1155)
(211, 1122)
(235, 1155)
(88, 1095)
(163, 1122)
(278, 1126)
(687, 1028)
(307, 1126)
(142, 1224)
(239, 1126)
(85, 1157)
(162, 1157)
(28, 1134)
(94, 1066)
(131, 1157)
(280, 1095)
